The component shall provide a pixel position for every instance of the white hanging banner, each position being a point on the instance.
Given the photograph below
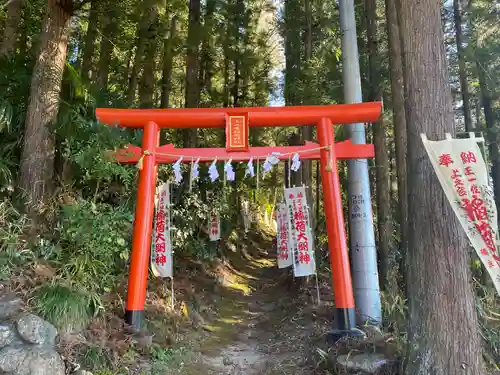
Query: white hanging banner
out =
(245, 213)
(463, 174)
(161, 255)
(214, 227)
(300, 232)
(283, 243)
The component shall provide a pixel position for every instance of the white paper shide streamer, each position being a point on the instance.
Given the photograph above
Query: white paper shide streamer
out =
(161, 254)
(177, 170)
(295, 162)
(250, 169)
(462, 172)
(228, 168)
(195, 172)
(213, 173)
(300, 232)
(270, 161)
(283, 243)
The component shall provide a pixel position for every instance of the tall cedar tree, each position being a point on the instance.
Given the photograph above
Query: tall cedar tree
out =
(383, 196)
(399, 121)
(10, 33)
(443, 337)
(89, 43)
(462, 70)
(37, 160)
(192, 93)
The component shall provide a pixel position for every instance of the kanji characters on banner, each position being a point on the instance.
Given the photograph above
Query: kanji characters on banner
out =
(463, 174)
(300, 232)
(283, 240)
(161, 254)
(214, 227)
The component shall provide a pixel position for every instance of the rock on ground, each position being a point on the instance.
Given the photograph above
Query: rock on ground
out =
(35, 330)
(27, 347)
(10, 306)
(7, 335)
(368, 363)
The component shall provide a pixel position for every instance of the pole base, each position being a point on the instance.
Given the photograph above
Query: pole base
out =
(134, 318)
(346, 325)
(346, 318)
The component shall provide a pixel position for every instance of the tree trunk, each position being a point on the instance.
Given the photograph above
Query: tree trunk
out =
(147, 86)
(110, 26)
(236, 84)
(443, 332)
(90, 38)
(37, 161)
(383, 195)
(14, 9)
(192, 93)
(142, 31)
(292, 52)
(168, 57)
(307, 131)
(225, 89)
(462, 70)
(491, 130)
(399, 120)
(207, 60)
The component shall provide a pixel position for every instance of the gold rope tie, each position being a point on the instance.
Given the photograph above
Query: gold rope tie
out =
(329, 164)
(140, 161)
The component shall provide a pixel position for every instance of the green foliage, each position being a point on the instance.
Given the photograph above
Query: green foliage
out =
(165, 358)
(95, 239)
(97, 358)
(13, 245)
(68, 309)
(190, 221)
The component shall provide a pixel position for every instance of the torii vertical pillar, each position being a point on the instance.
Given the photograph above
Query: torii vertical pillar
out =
(141, 240)
(337, 244)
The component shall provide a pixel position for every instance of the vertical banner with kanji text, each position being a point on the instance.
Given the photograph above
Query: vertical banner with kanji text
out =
(463, 174)
(214, 227)
(283, 243)
(300, 231)
(161, 254)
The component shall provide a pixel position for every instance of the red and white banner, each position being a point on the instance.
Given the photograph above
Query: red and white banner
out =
(214, 227)
(283, 243)
(300, 232)
(463, 174)
(161, 255)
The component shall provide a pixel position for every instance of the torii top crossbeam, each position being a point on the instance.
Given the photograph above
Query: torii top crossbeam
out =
(191, 118)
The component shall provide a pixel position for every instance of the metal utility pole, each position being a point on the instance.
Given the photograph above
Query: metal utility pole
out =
(361, 229)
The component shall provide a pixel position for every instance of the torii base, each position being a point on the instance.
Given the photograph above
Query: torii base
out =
(134, 318)
(346, 326)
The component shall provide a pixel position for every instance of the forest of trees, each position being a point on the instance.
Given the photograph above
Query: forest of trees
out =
(435, 65)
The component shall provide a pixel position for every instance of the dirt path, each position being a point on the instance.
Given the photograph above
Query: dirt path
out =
(259, 328)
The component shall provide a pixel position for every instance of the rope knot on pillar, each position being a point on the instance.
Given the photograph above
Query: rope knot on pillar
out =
(329, 165)
(141, 159)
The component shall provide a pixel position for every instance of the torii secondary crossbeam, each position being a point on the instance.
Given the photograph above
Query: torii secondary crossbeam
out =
(237, 122)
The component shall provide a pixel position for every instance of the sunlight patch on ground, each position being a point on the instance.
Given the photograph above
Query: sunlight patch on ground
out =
(241, 286)
(230, 320)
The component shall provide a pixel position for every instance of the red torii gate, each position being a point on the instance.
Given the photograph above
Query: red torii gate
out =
(237, 122)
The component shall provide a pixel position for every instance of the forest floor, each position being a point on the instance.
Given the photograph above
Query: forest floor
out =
(256, 320)
(237, 315)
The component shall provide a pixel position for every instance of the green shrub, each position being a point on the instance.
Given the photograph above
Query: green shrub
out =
(69, 310)
(95, 241)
